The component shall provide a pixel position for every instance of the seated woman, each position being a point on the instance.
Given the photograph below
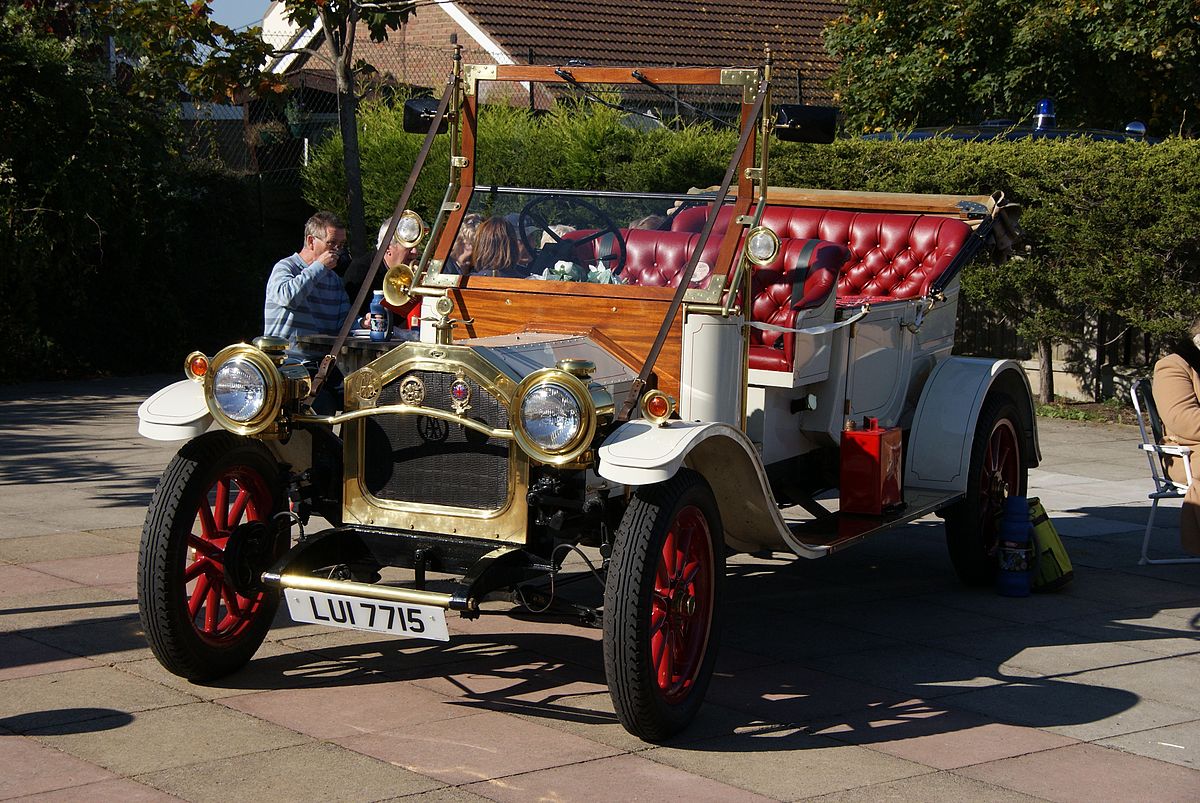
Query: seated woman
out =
(462, 250)
(497, 251)
(1177, 397)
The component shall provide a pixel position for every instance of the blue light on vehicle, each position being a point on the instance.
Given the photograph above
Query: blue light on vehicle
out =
(1045, 117)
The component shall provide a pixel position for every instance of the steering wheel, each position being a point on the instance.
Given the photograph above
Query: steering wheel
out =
(542, 213)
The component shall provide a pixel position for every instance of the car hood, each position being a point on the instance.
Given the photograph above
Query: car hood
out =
(522, 353)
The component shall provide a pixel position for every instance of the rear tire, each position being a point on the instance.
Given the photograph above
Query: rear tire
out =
(661, 606)
(202, 620)
(997, 471)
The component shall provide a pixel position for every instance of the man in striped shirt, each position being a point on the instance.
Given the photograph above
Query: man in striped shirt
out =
(305, 295)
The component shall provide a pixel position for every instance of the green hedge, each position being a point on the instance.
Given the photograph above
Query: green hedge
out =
(1110, 227)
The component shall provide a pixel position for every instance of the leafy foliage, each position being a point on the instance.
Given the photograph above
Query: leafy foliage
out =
(905, 64)
(120, 254)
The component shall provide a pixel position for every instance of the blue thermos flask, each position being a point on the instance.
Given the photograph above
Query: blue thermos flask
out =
(380, 318)
(1015, 549)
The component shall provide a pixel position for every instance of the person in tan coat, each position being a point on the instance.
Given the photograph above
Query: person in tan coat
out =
(1177, 397)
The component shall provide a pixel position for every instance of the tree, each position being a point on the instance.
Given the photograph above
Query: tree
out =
(168, 44)
(1105, 62)
(108, 228)
(340, 20)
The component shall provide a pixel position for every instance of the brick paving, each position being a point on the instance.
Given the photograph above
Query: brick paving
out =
(870, 675)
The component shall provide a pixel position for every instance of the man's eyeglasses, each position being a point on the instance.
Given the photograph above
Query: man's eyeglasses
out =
(332, 245)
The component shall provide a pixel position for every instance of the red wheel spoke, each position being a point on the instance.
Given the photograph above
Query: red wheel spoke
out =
(206, 548)
(690, 573)
(238, 508)
(211, 601)
(683, 552)
(669, 554)
(665, 664)
(221, 507)
(198, 595)
(658, 619)
(208, 524)
(662, 581)
(231, 602)
(658, 643)
(203, 566)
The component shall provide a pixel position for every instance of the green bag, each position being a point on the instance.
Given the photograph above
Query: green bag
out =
(1051, 565)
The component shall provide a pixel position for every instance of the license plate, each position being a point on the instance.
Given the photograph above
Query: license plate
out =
(355, 613)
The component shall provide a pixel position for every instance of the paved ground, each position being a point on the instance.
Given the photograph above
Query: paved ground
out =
(865, 677)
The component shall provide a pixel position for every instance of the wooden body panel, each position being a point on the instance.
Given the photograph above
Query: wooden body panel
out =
(628, 317)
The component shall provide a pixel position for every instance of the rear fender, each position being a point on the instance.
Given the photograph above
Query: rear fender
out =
(175, 413)
(939, 444)
(639, 453)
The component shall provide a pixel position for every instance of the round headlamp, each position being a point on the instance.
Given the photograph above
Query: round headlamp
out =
(762, 245)
(554, 417)
(409, 229)
(243, 389)
(239, 389)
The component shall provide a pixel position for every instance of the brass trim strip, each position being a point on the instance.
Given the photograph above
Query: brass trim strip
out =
(406, 409)
(350, 588)
(740, 76)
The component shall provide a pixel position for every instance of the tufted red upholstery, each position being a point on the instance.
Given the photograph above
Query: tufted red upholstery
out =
(779, 296)
(891, 256)
(801, 277)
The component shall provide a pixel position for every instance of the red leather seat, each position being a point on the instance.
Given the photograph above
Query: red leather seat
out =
(801, 276)
(891, 256)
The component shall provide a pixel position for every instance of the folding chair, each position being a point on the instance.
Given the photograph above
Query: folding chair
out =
(1152, 444)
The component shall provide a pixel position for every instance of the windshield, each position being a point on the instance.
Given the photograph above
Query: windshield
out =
(578, 225)
(571, 235)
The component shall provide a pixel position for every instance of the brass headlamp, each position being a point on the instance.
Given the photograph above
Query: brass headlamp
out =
(243, 389)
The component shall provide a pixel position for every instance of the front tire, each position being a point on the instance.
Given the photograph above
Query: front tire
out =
(661, 604)
(201, 609)
(997, 471)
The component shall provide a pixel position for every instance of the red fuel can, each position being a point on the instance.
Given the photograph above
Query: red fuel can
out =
(870, 474)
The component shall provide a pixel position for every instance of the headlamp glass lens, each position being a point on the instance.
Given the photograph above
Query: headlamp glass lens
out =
(761, 245)
(240, 389)
(551, 416)
(408, 229)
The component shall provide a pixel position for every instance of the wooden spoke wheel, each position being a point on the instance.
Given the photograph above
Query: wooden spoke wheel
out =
(209, 533)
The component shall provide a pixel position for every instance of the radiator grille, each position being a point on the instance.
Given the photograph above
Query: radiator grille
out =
(424, 460)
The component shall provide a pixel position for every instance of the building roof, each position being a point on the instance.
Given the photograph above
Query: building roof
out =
(668, 32)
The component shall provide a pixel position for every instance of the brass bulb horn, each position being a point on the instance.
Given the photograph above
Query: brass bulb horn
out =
(397, 285)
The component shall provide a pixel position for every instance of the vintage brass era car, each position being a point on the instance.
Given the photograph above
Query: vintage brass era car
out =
(664, 379)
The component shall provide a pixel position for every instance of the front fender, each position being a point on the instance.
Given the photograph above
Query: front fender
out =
(175, 413)
(939, 444)
(639, 453)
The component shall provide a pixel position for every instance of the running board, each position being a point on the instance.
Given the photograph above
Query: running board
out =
(840, 530)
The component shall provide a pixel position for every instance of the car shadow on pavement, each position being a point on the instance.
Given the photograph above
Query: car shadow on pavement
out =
(875, 646)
